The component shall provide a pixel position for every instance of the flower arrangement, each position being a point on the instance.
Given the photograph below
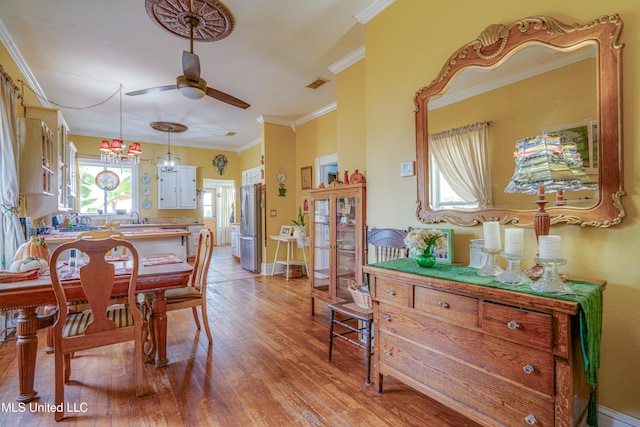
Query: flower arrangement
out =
(420, 239)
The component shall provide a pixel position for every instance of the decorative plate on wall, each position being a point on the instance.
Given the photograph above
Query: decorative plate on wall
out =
(107, 180)
(145, 179)
(146, 191)
(146, 204)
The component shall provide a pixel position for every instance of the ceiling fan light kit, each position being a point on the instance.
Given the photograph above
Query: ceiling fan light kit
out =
(202, 20)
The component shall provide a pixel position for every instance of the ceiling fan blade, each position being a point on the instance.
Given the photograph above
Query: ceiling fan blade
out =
(225, 97)
(191, 66)
(151, 90)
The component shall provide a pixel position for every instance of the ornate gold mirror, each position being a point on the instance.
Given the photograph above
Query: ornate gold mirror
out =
(531, 77)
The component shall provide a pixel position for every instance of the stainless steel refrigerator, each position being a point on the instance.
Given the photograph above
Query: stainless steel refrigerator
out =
(250, 228)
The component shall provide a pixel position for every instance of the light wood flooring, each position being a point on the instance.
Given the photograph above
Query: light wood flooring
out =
(267, 367)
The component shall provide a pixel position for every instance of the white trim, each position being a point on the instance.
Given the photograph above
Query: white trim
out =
(274, 120)
(315, 114)
(607, 417)
(249, 145)
(349, 60)
(370, 12)
(9, 44)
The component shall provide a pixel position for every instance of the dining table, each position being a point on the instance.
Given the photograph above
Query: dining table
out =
(156, 273)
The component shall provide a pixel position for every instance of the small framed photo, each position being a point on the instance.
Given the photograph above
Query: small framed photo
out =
(443, 255)
(406, 169)
(305, 204)
(285, 231)
(305, 177)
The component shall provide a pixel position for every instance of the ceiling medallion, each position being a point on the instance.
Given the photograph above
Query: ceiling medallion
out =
(213, 20)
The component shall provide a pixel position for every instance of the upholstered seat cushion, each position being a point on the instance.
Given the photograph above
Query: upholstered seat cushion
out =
(188, 292)
(77, 322)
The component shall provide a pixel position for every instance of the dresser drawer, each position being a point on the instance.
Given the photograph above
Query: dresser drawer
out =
(533, 368)
(444, 304)
(495, 399)
(517, 324)
(392, 292)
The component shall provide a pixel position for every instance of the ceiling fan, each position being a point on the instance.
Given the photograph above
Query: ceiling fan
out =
(190, 85)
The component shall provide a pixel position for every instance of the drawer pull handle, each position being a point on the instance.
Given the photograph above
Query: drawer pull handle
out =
(388, 352)
(386, 317)
(530, 419)
(513, 325)
(391, 292)
(528, 369)
(443, 304)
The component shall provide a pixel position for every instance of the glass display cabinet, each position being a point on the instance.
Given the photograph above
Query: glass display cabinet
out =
(336, 227)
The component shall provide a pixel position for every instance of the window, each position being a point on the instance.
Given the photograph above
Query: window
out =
(442, 195)
(94, 200)
(207, 204)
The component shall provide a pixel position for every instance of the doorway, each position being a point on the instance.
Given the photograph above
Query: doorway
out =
(218, 208)
(326, 169)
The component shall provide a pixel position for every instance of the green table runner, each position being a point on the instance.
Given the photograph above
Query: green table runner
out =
(587, 295)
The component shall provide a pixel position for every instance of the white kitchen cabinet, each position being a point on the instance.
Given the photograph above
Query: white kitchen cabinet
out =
(235, 240)
(177, 190)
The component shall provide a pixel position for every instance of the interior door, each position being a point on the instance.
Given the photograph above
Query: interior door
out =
(209, 211)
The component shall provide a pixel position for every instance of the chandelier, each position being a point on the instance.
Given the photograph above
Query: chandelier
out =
(169, 162)
(116, 152)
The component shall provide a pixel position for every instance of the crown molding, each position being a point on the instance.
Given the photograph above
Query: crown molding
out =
(370, 12)
(249, 145)
(347, 61)
(22, 65)
(274, 120)
(315, 114)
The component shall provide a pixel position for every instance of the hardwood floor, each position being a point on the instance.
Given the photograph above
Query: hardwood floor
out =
(267, 367)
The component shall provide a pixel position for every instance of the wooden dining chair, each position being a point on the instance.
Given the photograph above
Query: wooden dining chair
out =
(195, 294)
(100, 325)
(103, 234)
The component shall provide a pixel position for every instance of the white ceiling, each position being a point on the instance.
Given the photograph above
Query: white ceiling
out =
(80, 51)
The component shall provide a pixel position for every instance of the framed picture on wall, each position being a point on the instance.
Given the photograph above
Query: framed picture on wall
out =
(305, 204)
(305, 177)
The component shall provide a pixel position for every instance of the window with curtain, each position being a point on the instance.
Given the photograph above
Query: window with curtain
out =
(460, 168)
(97, 195)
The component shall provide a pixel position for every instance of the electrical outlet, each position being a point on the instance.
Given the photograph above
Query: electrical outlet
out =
(274, 212)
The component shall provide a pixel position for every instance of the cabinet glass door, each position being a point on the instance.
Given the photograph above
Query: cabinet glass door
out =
(346, 241)
(322, 246)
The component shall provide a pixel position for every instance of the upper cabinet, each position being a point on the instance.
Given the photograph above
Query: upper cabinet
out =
(60, 157)
(177, 190)
(37, 158)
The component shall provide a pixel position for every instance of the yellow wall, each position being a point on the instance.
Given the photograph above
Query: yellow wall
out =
(279, 153)
(315, 138)
(350, 87)
(406, 46)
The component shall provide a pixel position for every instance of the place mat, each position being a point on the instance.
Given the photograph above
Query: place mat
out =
(160, 259)
(11, 276)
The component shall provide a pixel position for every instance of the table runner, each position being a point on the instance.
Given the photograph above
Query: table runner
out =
(587, 295)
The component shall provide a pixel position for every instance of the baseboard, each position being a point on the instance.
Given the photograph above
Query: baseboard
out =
(607, 417)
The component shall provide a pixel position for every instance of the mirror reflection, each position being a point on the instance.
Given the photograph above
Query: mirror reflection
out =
(536, 79)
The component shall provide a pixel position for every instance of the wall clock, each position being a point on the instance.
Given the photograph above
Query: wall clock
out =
(107, 180)
(281, 177)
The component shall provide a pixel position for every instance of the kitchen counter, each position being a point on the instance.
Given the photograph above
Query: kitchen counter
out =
(160, 225)
(171, 240)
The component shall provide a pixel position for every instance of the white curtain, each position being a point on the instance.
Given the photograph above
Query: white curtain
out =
(10, 233)
(462, 157)
(224, 218)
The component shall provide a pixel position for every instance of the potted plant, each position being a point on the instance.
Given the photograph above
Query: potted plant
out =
(299, 223)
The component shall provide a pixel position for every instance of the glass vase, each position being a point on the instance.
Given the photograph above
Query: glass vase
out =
(426, 258)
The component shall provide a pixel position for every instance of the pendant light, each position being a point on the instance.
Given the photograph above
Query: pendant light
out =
(116, 152)
(169, 162)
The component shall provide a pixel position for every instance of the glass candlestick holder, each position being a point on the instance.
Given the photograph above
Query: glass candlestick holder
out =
(550, 282)
(513, 275)
(490, 267)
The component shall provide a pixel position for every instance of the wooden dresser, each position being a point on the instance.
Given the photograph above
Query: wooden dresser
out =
(501, 358)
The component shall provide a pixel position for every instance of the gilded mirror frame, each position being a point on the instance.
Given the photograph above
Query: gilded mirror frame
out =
(494, 44)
